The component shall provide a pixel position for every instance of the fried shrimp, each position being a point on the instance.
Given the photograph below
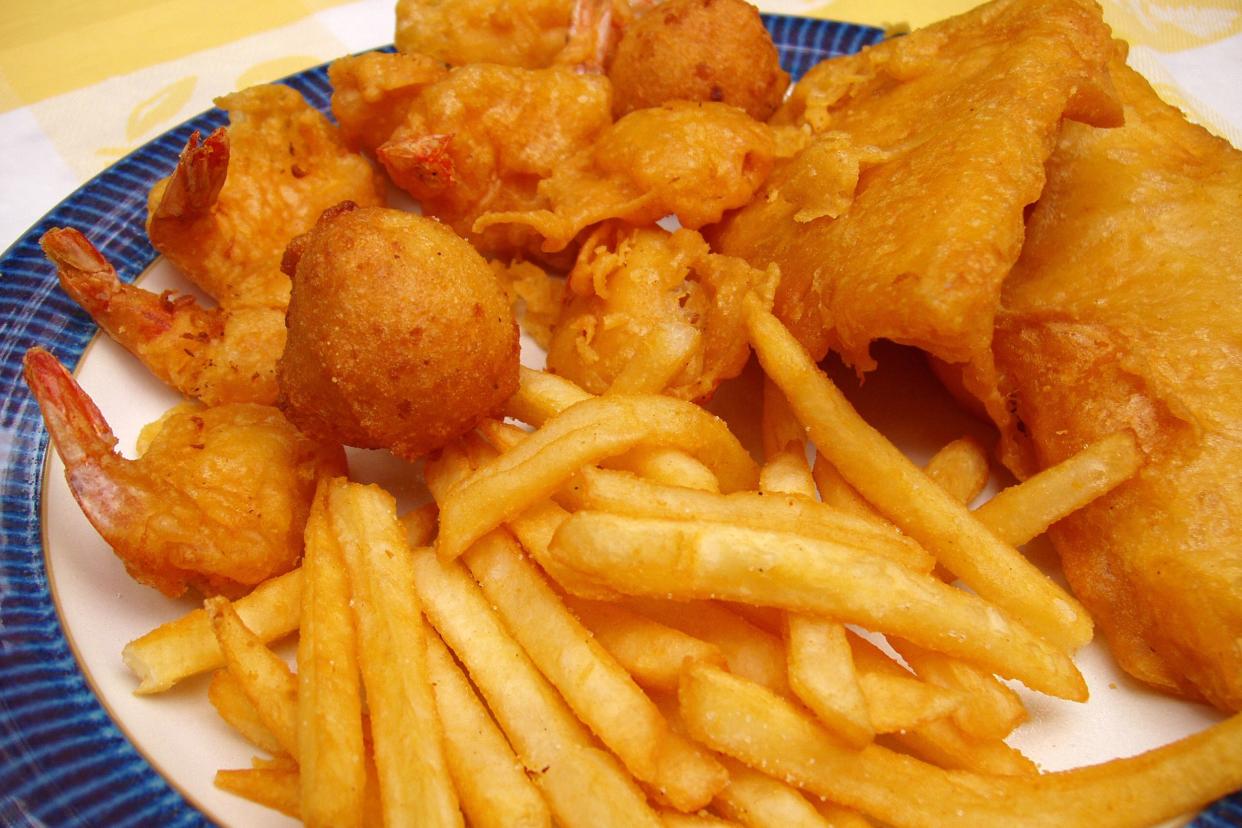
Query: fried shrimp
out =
(691, 160)
(223, 218)
(634, 286)
(483, 138)
(528, 33)
(216, 502)
(216, 355)
(226, 213)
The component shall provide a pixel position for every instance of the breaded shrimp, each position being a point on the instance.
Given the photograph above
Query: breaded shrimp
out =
(217, 355)
(224, 218)
(693, 160)
(217, 501)
(227, 212)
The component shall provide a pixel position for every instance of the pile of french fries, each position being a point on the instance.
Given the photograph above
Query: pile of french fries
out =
(615, 617)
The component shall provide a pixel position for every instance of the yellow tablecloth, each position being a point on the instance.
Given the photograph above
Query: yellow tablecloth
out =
(83, 82)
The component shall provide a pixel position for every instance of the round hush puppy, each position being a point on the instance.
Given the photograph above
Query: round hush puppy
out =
(399, 337)
(698, 50)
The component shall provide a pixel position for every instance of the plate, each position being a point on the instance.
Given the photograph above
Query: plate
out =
(76, 747)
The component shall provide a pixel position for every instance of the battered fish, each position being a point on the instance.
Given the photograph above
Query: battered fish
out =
(1123, 313)
(940, 138)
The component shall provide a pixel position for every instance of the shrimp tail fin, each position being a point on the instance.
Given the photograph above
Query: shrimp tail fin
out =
(78, 429)
(169, 334)
(421, 165)
(195, 183)
(113, 493)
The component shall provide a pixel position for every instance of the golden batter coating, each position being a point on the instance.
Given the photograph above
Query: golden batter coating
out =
(400, 336)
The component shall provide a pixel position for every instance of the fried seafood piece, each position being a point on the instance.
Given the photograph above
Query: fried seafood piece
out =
(484, 137)
(234, 201)
(1122, 314)
(939, 139)
(400, 337)
(216, 355)
(632, 284)
(373, 92)
(223, 218)
(535, 296)
(217, 500)
(691, 160)
(698, 50)
(526, 33)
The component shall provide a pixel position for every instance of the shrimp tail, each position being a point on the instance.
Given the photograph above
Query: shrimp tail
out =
(129, 314)
(422, 165)
(195, 183)
(104, 483)
(191, 348)
(78, 429)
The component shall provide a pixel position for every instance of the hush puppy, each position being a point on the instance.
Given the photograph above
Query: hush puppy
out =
(698, 50)
(399, 336)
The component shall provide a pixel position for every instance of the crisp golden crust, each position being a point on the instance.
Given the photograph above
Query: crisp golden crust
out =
(484, 137)
(372, 92)
(1113, 318)
(286, 165)
(628, 282)
(698, 50)
(529, 33)
(691, 160)
(963, 115)
(399, 335)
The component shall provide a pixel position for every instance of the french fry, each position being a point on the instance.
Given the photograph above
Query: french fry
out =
(330, 747)
(822, 675)
(669, 466)
(756, 800)
(836, 492)
(990, 709)
(278, 786)
(686, 561)
(585, 433)
(663, 352)
(839, 816)
(597, 688)
(896, 699)
(779, 427)
(275, 788)
(945, 745)
(787, 473)
(541, 395)
(187, 646)
(675, 819)
(609, 491)
(651, 652)
(263, 676)
(820, 664)
(904, 494)
(413, 777)
(748, 650)
(583, 785)
(229, 699)
(960, 468)
(495, 792)
(759, 728)
(1022, 512)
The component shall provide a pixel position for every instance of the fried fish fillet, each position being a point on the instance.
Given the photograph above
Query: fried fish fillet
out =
(939, 140)
(1123, 312)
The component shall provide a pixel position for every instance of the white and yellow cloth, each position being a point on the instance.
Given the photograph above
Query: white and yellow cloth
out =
(83, 82)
